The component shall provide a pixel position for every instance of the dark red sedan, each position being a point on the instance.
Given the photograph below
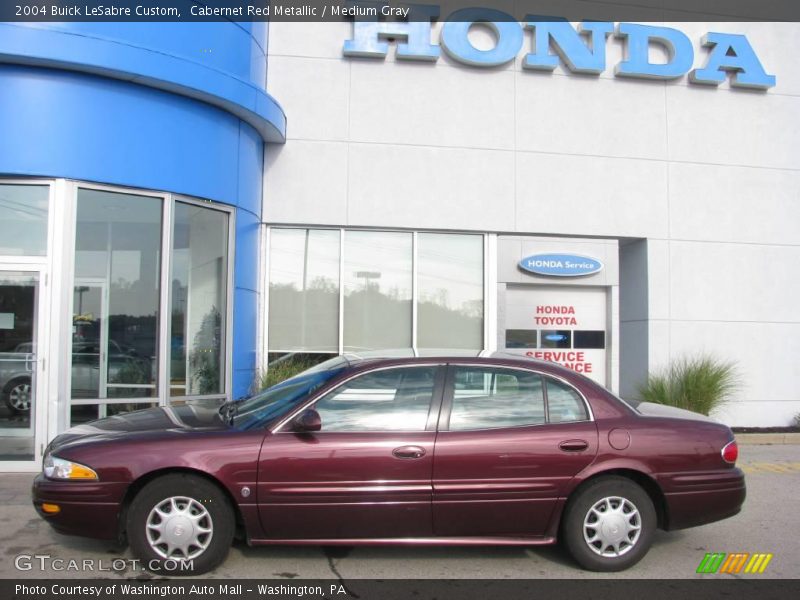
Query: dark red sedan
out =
(478, 451)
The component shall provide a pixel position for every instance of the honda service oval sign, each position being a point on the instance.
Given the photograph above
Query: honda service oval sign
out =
(561, 265)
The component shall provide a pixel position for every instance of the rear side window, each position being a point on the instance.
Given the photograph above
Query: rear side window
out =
(388, 400)
(487, 398)
(564, 403)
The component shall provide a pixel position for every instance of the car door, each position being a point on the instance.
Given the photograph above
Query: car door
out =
(367, 472)
(509, 442)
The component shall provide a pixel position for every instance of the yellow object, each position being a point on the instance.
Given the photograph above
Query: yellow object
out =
(51, 509)
(81, 472)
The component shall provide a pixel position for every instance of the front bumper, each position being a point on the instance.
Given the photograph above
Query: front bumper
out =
(88, 508)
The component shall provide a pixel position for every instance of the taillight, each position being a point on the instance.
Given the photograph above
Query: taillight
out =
(730, 452)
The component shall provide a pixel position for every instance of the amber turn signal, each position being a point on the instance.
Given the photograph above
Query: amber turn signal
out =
(51, 509)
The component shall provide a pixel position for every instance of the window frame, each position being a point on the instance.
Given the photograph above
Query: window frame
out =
(488, 244)
(434, 408)
(449, 394)
(162, 387)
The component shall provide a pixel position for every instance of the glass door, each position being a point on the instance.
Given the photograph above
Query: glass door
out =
(20, 365)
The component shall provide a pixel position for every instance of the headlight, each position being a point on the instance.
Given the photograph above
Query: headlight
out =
(58, 468)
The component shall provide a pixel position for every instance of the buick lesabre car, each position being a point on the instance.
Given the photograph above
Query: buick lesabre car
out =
(469, 451)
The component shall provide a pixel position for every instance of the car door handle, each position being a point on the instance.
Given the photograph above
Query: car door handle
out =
(409, 452)
(574, 445)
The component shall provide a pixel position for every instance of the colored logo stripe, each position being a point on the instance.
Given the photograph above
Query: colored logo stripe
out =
(720, 562)
(734, 562)
(711, 562)
(758, 563)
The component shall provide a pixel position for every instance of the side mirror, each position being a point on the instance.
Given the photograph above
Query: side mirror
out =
(307, 421)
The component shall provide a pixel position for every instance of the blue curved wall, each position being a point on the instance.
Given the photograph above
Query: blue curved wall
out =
(169, 106)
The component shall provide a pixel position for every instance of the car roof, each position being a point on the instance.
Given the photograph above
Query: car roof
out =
(378, 358)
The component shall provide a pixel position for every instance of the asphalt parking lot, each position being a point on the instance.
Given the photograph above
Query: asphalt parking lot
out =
(768, 523)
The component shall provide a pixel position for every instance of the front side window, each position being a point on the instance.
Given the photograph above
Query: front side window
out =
(486, 398)
(388, 400)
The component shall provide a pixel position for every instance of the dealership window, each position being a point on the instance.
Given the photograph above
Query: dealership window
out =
(122, 350)
(377, 290)
(304, 290)
(23, 213)
(198, 300)
(116, 295)
(335, 290)
(450, 297)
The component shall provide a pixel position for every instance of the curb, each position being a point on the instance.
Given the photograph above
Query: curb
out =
(758, 439)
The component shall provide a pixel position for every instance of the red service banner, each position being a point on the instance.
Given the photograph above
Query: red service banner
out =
(572, 359)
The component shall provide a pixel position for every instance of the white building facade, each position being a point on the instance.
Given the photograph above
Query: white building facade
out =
(408, 193)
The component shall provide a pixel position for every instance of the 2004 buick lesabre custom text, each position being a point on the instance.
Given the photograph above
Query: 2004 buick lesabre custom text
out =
(469, 451)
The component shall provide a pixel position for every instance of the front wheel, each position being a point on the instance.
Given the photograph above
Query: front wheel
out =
(180, 525)
(17, 395)
(609, 525)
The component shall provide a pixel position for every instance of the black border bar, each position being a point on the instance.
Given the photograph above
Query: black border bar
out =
(339, 10)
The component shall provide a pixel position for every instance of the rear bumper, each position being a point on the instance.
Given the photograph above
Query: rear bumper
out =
(87, 508)
(697, 499)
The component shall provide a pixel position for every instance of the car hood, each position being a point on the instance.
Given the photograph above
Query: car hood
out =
(176, 419)
(650, 409)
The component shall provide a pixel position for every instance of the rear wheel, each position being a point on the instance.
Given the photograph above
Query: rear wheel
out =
(609, 524)
(180, 525)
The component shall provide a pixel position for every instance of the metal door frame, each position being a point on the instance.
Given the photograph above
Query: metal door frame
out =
(39, 380)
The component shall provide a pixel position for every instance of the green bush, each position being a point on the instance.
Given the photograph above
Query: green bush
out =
(283, 369)
(700, 384)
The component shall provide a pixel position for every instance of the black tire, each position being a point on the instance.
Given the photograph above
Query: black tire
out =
(8, 391)
(631, 547)
(192, 494)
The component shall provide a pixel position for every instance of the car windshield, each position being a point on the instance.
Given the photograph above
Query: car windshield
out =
(257, 411)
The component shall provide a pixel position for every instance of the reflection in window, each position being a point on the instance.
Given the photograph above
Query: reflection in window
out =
(389, 400)
(304, 290)
(18, 332)
(116, 295)
(377, 288)
(486, 398)
(199, 303)
(521, 338)
(23, 219)
(589, 339)
(450, 280)
(564, 404)
(556, 339)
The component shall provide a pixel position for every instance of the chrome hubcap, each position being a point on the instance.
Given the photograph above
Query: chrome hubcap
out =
(20, 396)
(612, 526)
(179, 527)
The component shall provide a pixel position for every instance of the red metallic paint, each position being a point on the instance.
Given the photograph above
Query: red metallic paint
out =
(334, 485)
(490, 483)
